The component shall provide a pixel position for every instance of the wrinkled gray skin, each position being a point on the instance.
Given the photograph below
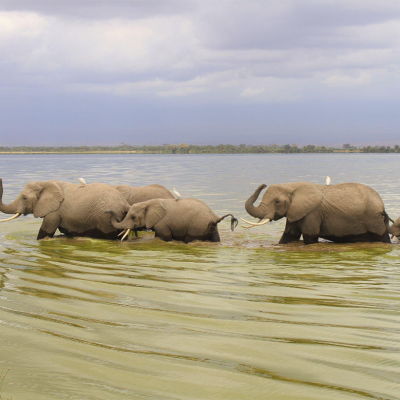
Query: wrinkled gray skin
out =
(73, 209)
(395, 228)
(137, 194)
(348, 212)
(185, 220)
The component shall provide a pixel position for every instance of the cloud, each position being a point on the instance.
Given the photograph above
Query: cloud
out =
(124, 43)
(106, 46)
(23, 25)
(251, 92)
(290, 24)
(348, 81)
(201, 52)
(99, 9)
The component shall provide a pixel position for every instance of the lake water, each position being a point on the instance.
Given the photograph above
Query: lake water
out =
(242, 319)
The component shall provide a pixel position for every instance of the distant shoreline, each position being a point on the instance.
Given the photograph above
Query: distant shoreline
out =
(137, 152)
(184, 148)
(73, 152)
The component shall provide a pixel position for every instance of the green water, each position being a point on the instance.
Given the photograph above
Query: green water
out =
(241, 319)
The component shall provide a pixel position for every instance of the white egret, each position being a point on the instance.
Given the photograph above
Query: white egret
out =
(328, 181)
(82, 181)
(176, 193)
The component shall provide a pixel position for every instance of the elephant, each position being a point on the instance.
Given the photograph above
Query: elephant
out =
(346, 212)
(73, 209)
(137, 194)
(394, 229)
(184, 220)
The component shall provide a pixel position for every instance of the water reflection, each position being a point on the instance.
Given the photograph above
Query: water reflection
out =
(244, 318)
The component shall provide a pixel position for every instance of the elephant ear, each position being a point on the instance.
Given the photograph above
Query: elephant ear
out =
(305, 199)
(125, 190)
(155, 212)
(50, 198)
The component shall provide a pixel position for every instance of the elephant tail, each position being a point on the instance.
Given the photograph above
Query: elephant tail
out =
(386, 218)
(234, 221)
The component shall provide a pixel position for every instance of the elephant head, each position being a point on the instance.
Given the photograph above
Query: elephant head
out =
(394, 229)
(39, 198)
(291, 200)
(140, 215)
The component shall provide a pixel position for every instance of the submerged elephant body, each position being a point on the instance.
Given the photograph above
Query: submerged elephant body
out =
(347, 212)
(185, 220)
(138, 194)
(73, 209)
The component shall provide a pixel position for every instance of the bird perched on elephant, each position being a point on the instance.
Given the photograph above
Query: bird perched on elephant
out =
(137, 194)
(73, 210)
(185, 220)
(346, 212)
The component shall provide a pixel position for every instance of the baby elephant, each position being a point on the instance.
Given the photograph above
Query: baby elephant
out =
(394, 229)
(185, 220)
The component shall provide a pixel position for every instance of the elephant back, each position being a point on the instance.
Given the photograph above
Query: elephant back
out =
(125, 190)
(352, 199)
(354, 207)
(87, 205)
(189, 216)
(139, 194)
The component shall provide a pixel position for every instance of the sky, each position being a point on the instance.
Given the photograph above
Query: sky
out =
(101, 72)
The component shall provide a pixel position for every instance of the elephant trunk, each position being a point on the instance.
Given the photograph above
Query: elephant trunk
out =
(6, 208)
(256, 212)
(114, 221)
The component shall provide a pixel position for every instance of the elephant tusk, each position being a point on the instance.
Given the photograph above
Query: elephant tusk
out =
(9, 219)
(256, 223)
(263, 223)
(249, 226)
(121, 233)
(126, 234)
(251, 223)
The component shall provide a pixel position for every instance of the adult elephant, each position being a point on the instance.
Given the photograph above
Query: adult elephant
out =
(138, 194)
(73, 209)
(347, 212)
(184, 220)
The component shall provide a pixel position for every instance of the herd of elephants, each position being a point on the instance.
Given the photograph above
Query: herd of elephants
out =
(346, 212)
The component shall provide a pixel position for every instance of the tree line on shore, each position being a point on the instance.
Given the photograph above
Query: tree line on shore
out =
(184, 148)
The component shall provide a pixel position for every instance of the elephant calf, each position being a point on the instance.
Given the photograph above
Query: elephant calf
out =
(184, 220)
(395, 228)
(348, 212)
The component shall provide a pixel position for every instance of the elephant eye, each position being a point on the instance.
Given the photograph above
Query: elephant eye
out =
(24, 197)
(133, 216)
(277, 201)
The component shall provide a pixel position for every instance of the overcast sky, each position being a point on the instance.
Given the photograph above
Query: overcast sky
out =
(197, 71)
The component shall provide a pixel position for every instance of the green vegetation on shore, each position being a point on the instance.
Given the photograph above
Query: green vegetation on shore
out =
(184, 148)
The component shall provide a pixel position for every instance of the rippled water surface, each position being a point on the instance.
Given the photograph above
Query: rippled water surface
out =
(241, 319)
